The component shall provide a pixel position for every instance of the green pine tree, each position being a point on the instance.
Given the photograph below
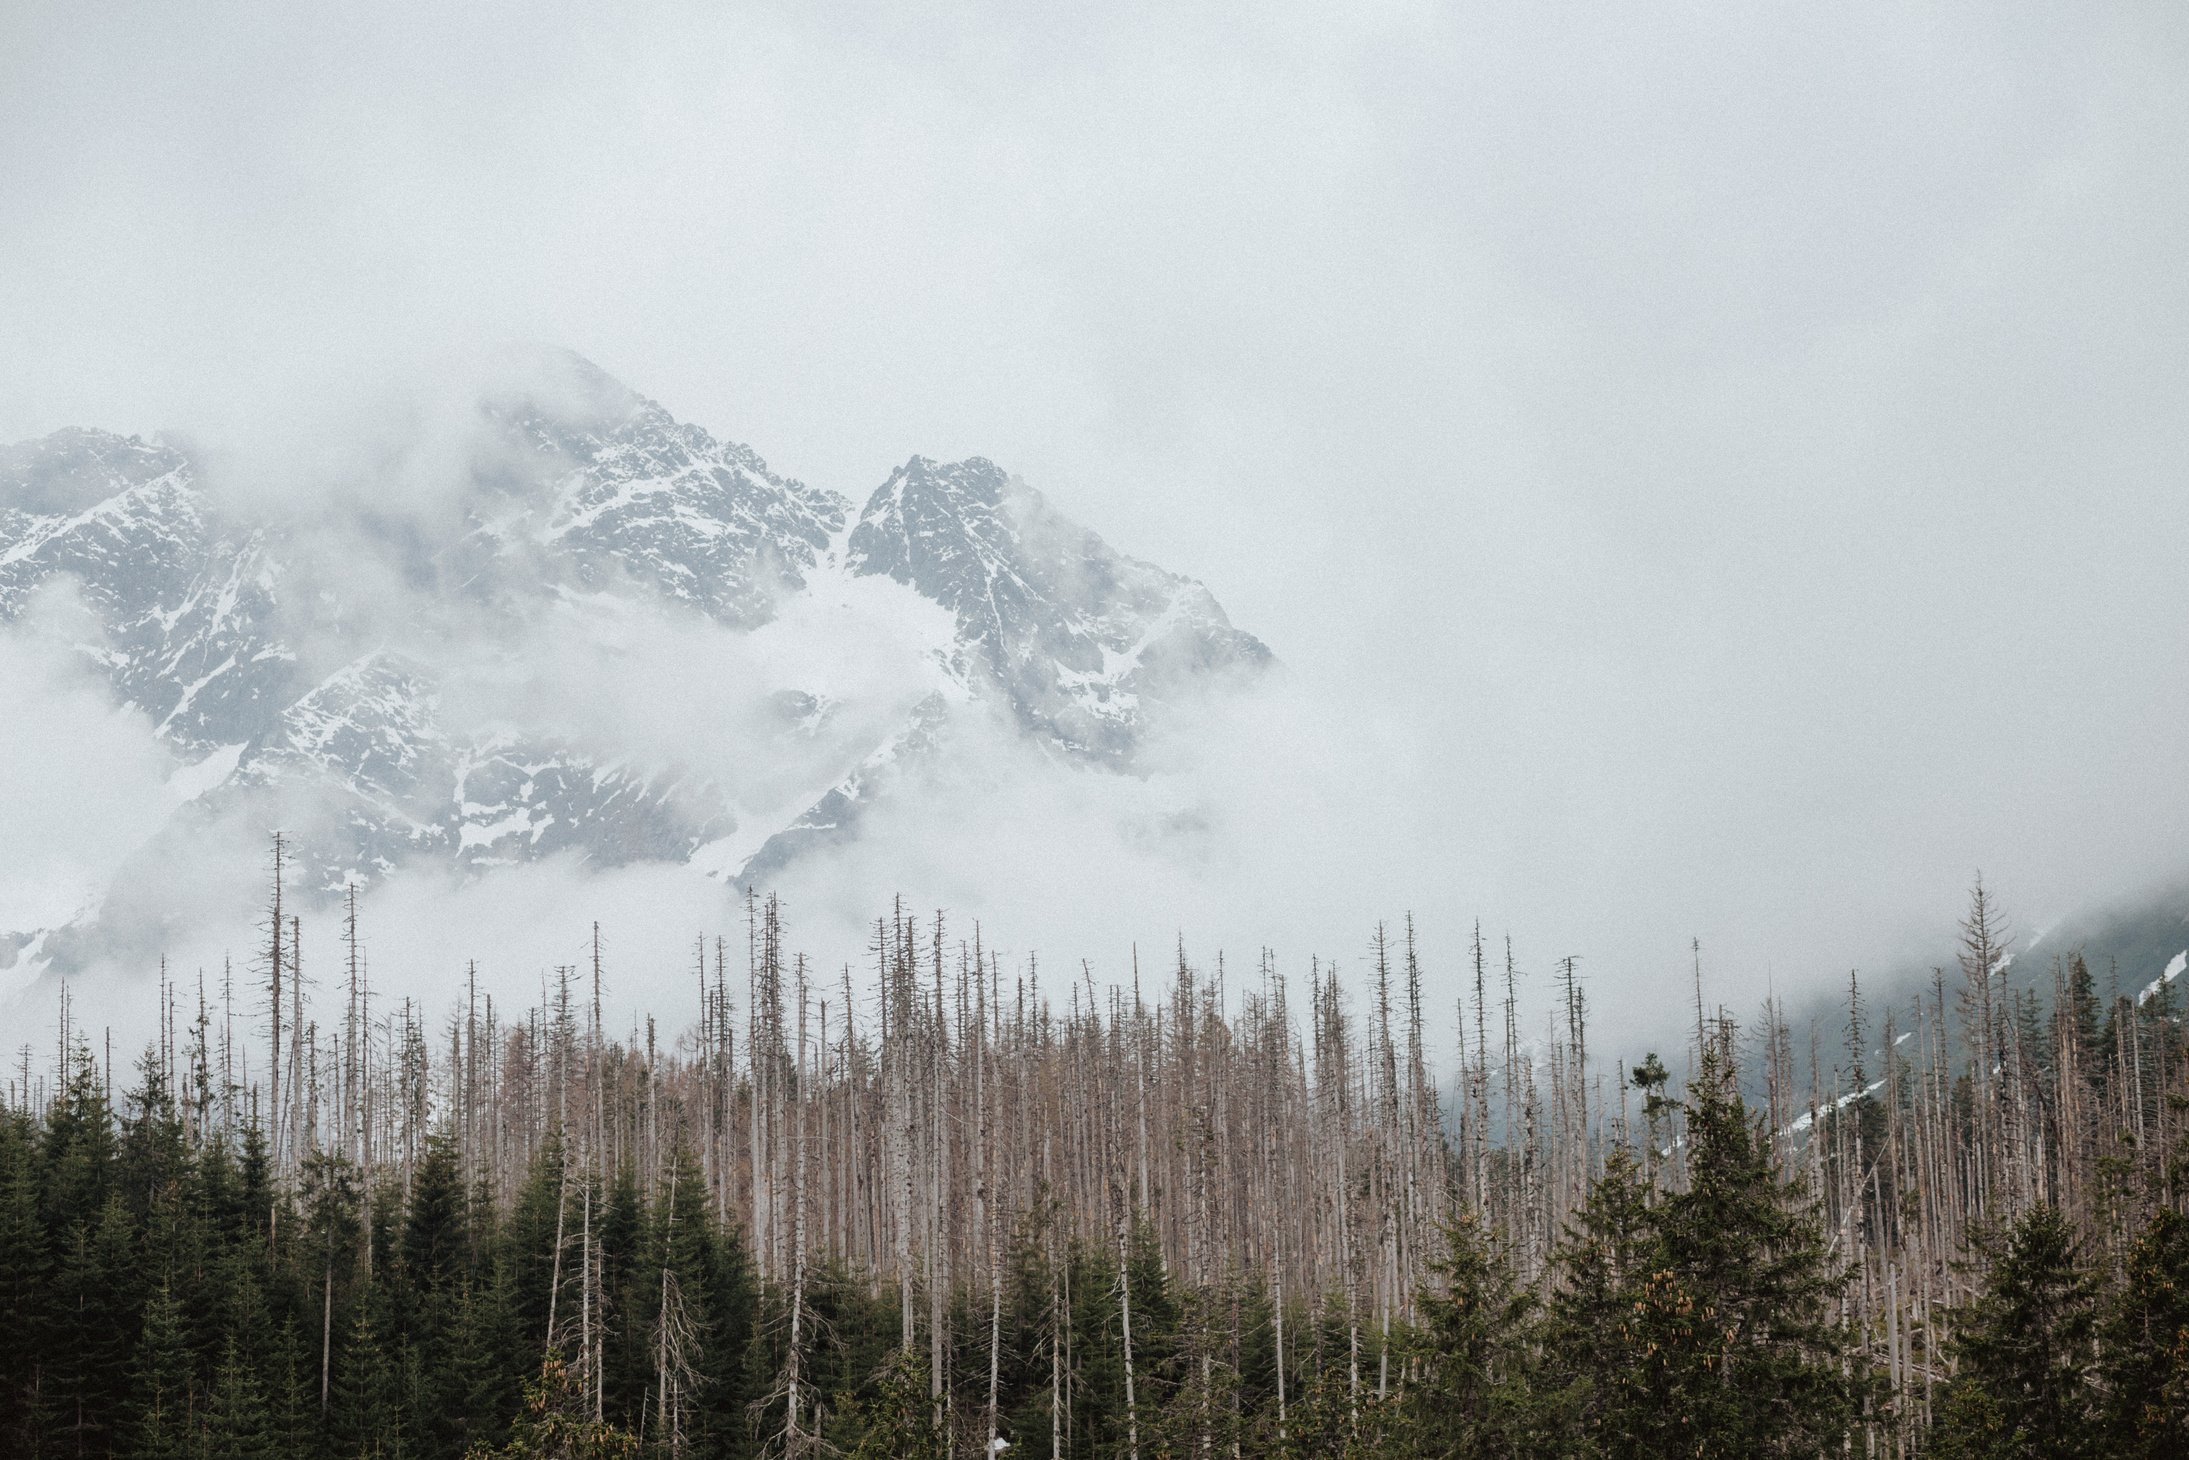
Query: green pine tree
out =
(361, 1386)
(239, 1423)
(1731, 1343)
(25, 1286)
(2025, 1383)
(478, 1398)
(1470, 1394)
(895, 1420)
(436, 1241)
(1326, 1419)
(152, 1159)
(557, 1424)
(2146, 1345)
(94, 1332)
(163, 1397)
(78, 1145)
(292, 1384)
(1601, 1261)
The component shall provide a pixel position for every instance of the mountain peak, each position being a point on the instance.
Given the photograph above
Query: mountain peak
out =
(557, 391)
(1076, 635)
(74, 469)
(260, 649)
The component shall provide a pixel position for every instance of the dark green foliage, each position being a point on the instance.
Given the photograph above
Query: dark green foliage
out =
(163, 1296)
(1699, 1321)
(528, 1243)
(2147, 1344)
(436, 1247)
(239, 1423)
(896, 1421)
(1740, 1354)
(2026, 1381)
(163, 1393)
(1328, 1419)
(1471, 1394)
(24, 1295)
(1604, 1257)
(364, 1418)
(555, 1425)
(93, 1331)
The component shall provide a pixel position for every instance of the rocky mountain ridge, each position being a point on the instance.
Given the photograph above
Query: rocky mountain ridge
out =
(264, 656)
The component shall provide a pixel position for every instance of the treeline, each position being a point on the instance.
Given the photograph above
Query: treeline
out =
(979, 1207)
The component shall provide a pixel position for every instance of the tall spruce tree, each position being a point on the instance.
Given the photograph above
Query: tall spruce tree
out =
(894, 1419)
(557, 1424)
(94, 1332)
(1732, 1346)
(163, 1388)
(25, 1289)
(1470, 1393)
(239, 1423)
(2146, 1345)
(1582, 1388)
(361, 1421)
(2025, 1381)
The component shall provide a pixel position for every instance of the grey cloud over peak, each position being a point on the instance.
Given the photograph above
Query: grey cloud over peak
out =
(1706, 472)
(593, 524)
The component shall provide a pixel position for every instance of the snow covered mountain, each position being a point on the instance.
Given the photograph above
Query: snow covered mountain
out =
(371, 677)
(1074, 633)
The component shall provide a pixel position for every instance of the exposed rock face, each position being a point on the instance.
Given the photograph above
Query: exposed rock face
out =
(1078, 637)
(188, 607)
(236, 638)
(635, 496)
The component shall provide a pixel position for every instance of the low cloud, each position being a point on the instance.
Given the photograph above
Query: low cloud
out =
(83, 782)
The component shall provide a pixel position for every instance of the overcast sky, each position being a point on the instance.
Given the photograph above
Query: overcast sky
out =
(1727, 460)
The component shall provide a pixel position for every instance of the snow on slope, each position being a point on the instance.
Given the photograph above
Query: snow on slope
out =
(428, 710)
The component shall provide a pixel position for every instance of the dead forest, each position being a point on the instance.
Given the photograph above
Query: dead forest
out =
(969, 1205)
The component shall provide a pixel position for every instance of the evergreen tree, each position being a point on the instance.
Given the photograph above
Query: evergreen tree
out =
(238, 1421)
(25, 1291)
(1327, 1420)
(292, 1400)
(1731, 1343)
(162, 1384)
(330, 1202)
(528, 1247)
(78, 1147)
(2146, 1345)
(436, 1241)
(2083, 1017)
(152, 1159)
(254, 1194)
(431, 1292)
(2025, 1383)
(242, 1316)
(557, 1424)
(1601, 1262)
(364, 1395)
(896, 1419)
(720, 1295)
(94, 1332)
(627, 1299)
(479, 1396)
(1470, 1394)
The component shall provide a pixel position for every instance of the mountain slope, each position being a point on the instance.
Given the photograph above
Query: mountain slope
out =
(632, 494)
(1077, 636)
(397, 689)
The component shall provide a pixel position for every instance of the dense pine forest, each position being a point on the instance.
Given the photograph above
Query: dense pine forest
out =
(941, 1206)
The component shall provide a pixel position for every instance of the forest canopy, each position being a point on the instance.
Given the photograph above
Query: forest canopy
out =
(969, 1208)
